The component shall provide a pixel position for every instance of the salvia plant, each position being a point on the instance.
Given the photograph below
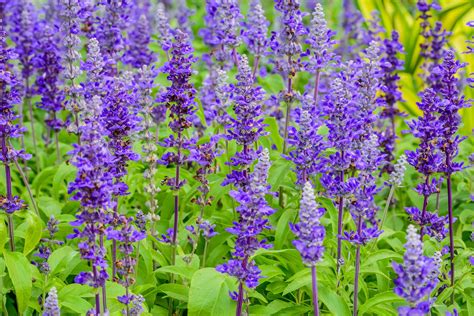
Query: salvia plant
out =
(227, 157)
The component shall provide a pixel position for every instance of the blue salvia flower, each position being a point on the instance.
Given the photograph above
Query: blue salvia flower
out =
(309, 231)
(48, 63)
(138, 54)
(51, 305)
(215, 93)
(247, 125)
(320, 41)
(308, 145)
(417, 276)
(71, 72)
(165, 38)
(253, 219)
(255, 29)
(391, 94)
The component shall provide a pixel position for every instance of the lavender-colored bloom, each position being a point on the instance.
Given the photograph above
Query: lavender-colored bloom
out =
(355, 35)
(46, 246)
(165, 38)
(22, 21)
(449, 119)
(138, 54)
(391, 94)
(320, 40)
(247, 125)
(308, 145)
(292, 27)
(309, 231)
(93, 187)
(120, 122)
(8, 128)
(363, 191)
(417, 276)
(51, 305)
(109, 32)
(425, 24)
(253, 212)
(255, 29)
(222, 21)
(48, 63)
(94, 66)
(215, 95)
(125, 234)
(427, 160)
(398, 173)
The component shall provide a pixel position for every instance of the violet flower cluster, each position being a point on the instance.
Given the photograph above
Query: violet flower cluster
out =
(247, 125)
(51, 304)
(426, 159)
(255, 30)
(253, 219)
(9, 129)
(138, 54)
(46, 246)
(391, 94)
(417, 277)
(309, 231)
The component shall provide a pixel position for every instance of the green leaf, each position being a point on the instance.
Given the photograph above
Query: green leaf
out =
(185, 272)
(377, 299)
(372, 258)
(176, 291)
(72, 297)
(20, 273)
(209, 294)
(335, 303)
(64, 173)
(283, 228)
(33, 232)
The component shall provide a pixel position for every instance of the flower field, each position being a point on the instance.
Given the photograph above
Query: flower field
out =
(227, 157)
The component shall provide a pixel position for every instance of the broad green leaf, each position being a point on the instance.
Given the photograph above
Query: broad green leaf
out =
(283, 228)
(380, 298)
(176, 291)
(209, 294)
(20, 273)
(185, 272)
(335, 303)
(33, 232)
(72, 297)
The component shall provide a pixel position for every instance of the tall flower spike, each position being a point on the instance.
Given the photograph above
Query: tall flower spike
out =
(308, 145)
(9, 96)
(391, 94)
(255, 31)
(417, 277)
(451, 102)
(320, 40)
(253, 218)
(70, 27)
(309, 231)
(215, 96)
(247, 125)
(179, 99)
(138, 54)
(49, 65)
(51, 306)
(396, 177)
(162, 24)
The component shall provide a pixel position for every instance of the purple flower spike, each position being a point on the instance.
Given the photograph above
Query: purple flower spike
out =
(309, 231)
(417, 276)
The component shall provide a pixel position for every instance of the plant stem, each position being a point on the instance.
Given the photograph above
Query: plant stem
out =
(340, 216)
(315, 290)
(316, 86)
(289, 96)
(32, 121)
(204, 253)
(8, 181)
(240, 299)
(56, 141)
(114, 247)
(423, 211)
(97, 297)
(385, 211)
(387, 206)
(357, 268)
(27, 185)
(104, 290)
(255, 66)
(451, 232)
